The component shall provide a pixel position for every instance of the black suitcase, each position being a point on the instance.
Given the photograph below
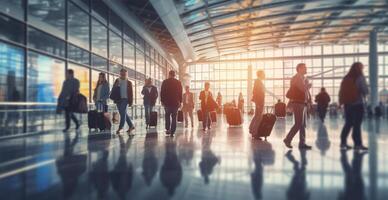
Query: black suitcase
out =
(180, 116)
(233, 117)
(199, 115)
(266, 125)
(213, 116)
(92, 119)
(153, 119)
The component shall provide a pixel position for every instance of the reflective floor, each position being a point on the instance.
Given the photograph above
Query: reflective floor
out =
(221, 164)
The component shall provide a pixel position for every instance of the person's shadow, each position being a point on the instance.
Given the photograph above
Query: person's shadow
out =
(297, 189)
(354, 184)
(70, 166)
(122, 174)
(262, 154)
(99, 174)
(186, 146)
(150, 161)
(322, 142)
(208, 159)
(171, 170)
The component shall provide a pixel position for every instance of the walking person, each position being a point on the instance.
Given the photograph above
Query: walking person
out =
(125, 100)
(101, 93)
(258, 98)
(150, 94)
(299, 98)
(241, 102)
(353, 92)
(322, 100)
(219, 102)
(70, 88)
(171, 99)
(188, 106)
(206, 98)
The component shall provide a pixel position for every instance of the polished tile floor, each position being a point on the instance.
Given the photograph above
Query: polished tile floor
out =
(221, 164)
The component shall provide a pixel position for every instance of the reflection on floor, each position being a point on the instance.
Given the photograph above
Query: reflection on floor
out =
(221, 164)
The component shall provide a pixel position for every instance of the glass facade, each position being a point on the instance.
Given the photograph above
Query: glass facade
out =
(327, 64)
(94, 40)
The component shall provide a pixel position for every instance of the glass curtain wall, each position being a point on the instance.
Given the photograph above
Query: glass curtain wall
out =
(327, 64)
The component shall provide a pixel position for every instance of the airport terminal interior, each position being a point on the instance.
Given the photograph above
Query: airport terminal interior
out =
(222, 42)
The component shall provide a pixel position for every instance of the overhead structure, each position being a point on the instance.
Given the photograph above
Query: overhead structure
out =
(222, 27)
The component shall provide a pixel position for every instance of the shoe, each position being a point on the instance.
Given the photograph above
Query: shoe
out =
(305, 146)
(208, 128)
(168, 132)
(77, 126)
(360, 148)
(129, 131)
(287, 143)
(65, 130)
(172, 134)
(345, 147)
(204, 129)
(118, 132)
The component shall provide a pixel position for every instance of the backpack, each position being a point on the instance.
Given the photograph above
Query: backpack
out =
(348, 92)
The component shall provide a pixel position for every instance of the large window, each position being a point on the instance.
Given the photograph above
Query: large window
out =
(115, 48)
(78, 26)
(48, 15)
(77, 54)
(45, 76)
(140, 65)
(45, 42)
(11, 73)
(129, 55)
(13, 8)
(99, 38)
(99, 63)
(82, 74)
(11, 30)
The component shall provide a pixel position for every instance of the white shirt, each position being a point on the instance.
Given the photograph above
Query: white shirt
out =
(123, 88)
(206, 96)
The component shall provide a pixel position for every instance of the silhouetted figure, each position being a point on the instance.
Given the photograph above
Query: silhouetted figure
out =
(171, 171)
(352, 95)
(70, 166)
(297, 189)
(207, 105)
(379, 110)
(99, 175)
(299, 99)
(122, 174)
(188, 106)
(150, 161)
(322, 100)
(241, 102)
(369, 111)
(258, 96)
(70, 88)
(208, 158)
(171, 99)
(322, 142)
(150, 94)
(354, 184)
(219, 102)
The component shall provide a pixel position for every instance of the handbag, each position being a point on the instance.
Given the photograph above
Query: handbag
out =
(115, 94)
(78, 103)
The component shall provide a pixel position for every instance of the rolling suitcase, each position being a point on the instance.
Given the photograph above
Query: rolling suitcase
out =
(213, 116)
(266, 125)
(199, 115)
(92, 119)
(234, 117)
(180, 116)
(153, 119)
(103, 120)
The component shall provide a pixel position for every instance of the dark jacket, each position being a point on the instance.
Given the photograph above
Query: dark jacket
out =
(208, 105)
(258, 92)
(188, 105)
(149, 98)
(70, 87)
(171, 93)
(129, 90)
(322, 99)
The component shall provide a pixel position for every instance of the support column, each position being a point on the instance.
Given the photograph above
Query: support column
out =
(373, 69)
(249, 87)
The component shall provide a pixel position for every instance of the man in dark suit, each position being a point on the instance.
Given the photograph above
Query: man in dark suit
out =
(70, 88)
(207, 105)
(171, 98)
(188, 106)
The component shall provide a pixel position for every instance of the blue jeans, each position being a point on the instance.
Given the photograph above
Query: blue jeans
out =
(122, 107)
(353, 119)
(170, 118)
(147, 111)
